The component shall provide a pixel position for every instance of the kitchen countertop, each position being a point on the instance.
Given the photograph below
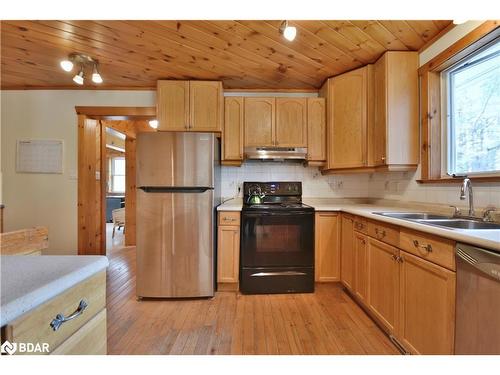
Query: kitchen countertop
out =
(489, 239)
(29, 281)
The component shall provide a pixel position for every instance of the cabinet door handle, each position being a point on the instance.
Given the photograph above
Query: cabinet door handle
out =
(60, 318)
(363, 242)
(427, 247)
(379, 233)
(394, 257)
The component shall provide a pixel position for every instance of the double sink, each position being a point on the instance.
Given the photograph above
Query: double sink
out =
(441, 220)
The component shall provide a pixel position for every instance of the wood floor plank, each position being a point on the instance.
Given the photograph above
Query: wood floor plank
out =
(327, 321)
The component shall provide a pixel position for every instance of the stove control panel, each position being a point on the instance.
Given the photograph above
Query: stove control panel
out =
(274, 188)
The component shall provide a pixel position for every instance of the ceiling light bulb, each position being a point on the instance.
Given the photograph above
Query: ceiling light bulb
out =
(78, 78)
(66, 65)
(290, 32)
(96, 77)
(459, 22)
(153, 124)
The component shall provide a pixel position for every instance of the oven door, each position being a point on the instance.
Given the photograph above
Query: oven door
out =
(277, 239)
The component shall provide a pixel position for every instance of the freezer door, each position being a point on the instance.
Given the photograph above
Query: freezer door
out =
(175, 159)
(175, 236)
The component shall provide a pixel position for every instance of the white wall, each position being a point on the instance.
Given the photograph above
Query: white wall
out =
(42, 199)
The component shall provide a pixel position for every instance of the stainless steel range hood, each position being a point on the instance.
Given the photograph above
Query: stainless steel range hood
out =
(276, 153)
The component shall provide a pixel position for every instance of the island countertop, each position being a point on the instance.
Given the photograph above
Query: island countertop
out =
(29, 281)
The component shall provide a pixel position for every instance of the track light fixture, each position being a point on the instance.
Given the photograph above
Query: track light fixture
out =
(83, 61)
(153, 123)
(289, 32)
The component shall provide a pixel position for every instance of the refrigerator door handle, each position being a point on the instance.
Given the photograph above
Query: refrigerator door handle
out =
(175, 189)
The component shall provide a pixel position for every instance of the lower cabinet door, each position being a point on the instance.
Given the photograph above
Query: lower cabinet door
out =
(361, 267)
(427, 306)
(347, 253)
(327, 247)
(383, 283)
(228, 251)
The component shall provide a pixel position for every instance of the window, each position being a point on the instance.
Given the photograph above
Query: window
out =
(472, 101)
(117, 175)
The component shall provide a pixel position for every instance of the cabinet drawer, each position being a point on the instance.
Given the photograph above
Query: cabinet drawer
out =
(34, 327)
(229, 218)
(384, 232)
(435, 249)
(360, 225)
(89, 340)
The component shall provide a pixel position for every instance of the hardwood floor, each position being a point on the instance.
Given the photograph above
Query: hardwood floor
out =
(326, 322)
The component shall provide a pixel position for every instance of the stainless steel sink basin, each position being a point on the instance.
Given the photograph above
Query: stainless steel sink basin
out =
(461, 224)
(412, 215)
(440, 220)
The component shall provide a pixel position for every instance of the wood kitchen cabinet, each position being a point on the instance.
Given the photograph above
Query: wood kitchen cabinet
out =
(383, 283)
(360, 267)
(232, 139)
(190, 106)
(395, 131)
(228, 250)
(347, 253)
(316, 131)
(348, 119)
(427, 309)
(85, 334)
(260, 117)
(291, 122)
(327, 246)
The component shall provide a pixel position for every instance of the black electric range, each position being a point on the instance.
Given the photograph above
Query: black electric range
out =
(277, 240)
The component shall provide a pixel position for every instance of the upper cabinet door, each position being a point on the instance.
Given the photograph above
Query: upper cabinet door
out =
(205, 106)
(172, 108)
(291, 122)
(233, 129)
(380, 112)
(259, 121)
(349, 126)
(316, 129)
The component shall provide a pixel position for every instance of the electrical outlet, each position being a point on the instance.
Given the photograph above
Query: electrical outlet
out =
(340, 185)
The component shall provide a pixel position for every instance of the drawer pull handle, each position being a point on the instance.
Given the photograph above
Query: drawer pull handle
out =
(427, 247)
(60, 318)
(379, 233)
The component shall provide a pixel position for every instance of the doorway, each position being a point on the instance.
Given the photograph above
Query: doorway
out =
(106, 175)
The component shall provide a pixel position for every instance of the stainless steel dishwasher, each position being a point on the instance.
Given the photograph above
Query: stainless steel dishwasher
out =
(478, 301)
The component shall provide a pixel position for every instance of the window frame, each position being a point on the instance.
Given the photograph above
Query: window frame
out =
(433, 106)
(112, 175)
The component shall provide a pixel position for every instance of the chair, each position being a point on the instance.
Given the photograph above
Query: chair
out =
(118, 216)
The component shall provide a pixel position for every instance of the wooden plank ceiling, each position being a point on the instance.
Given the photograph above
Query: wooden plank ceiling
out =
(243, 54)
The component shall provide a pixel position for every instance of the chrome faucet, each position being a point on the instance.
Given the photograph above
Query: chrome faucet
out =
(467, 187)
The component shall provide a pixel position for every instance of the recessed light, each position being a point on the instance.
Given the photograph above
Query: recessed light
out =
(459, 22)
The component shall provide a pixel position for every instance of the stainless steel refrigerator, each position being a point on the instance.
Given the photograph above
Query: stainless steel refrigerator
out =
(177, 193)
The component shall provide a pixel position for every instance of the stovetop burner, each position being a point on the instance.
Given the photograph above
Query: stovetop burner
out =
(275, 206)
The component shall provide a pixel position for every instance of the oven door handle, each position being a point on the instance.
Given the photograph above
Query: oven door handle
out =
(282, 273)
(268, 213)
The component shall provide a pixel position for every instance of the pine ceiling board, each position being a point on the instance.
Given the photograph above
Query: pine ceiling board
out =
(271, 30)
(233, 63)
(243, 54)
(381, 34)
(295, 68)
(357, 36)
(404, 33)
(332, 37)
(425, 29)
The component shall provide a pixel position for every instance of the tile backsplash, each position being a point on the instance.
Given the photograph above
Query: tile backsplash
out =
(390, 185)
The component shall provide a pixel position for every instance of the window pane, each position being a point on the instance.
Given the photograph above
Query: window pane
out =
(119, 184)
(475, 114)
(119, 166)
